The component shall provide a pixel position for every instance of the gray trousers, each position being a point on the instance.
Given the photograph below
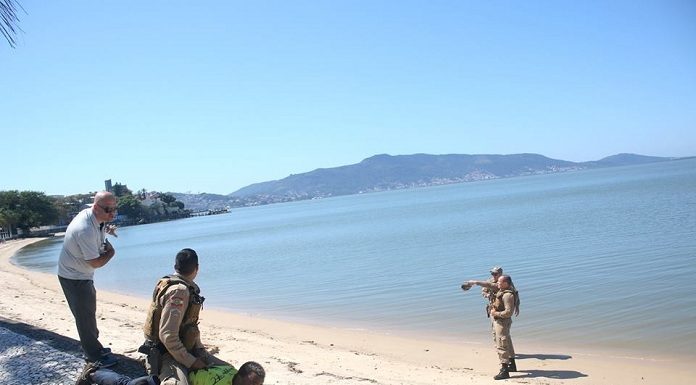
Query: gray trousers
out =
(82, 299)
(108, 377)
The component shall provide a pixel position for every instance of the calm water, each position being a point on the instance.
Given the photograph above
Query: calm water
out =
(603, 258)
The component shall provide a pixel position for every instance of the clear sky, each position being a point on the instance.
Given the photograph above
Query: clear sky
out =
(211, 96)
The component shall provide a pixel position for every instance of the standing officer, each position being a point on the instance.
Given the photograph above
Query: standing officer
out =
(505, 304)
(85, 249)
(488, 290)
(171, 330)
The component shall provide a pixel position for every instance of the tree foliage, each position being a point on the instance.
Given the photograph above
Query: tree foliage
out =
(167, 198)
(69, 206)
(130, 206)
(26, 209)
(121, 190)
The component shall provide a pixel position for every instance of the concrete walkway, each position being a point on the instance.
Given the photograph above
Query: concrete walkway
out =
(32, 356)
(26, 361)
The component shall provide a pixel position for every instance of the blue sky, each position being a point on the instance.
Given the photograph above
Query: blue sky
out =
(212, 96)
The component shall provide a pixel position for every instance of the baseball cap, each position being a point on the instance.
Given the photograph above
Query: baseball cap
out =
(497, 270)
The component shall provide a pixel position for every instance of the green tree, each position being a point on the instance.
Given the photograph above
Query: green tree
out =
(26, 209)
(8, 219)
(167, 198)
(121, 190)
(38, 210)
(69, 206)
(130, 205)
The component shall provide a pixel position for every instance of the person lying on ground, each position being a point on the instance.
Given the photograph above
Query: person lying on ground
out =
(250, 373)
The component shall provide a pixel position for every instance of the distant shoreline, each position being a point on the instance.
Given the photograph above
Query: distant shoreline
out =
(312, 354)
(383, 172)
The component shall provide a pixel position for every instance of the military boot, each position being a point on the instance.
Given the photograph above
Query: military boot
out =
(504, 373)
(84, 378)
(512, 367)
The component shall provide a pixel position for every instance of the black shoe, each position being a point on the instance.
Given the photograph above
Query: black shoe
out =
(89, 368)
(512, 367)
(504, 373)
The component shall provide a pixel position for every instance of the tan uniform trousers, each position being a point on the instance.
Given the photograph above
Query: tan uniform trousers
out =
(503, 341)
(174, 373)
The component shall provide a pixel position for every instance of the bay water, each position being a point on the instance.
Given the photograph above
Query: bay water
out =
(604, 259)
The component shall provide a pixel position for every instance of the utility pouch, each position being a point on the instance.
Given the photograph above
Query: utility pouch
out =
(153, 357)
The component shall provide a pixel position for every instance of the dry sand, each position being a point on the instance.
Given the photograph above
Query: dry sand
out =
(309, 355)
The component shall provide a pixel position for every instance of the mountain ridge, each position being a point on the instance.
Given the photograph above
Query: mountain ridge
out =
(384, 172)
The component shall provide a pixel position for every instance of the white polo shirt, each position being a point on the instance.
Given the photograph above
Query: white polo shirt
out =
(83, 241)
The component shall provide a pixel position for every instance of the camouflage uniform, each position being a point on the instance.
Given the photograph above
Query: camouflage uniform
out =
(501, 313)
(489, 294)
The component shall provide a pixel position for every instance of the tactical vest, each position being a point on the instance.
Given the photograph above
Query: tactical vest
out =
(499, 305)
(188, 330)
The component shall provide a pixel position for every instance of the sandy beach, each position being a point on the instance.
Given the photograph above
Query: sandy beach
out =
(310, 355)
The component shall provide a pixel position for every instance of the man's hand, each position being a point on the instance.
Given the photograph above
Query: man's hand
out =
(198, 364)
(199, 353)
(108, 247)
(111, 230)
(105, 255)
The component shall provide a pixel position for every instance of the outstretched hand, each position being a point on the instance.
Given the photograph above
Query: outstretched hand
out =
(111, 230)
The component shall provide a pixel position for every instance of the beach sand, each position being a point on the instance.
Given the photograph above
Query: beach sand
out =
(311, 355)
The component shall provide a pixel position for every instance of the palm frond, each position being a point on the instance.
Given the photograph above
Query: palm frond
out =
(9, 22)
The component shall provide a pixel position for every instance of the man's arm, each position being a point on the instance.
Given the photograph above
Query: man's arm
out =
(488, 285)
(104, 257)
(176, 301)
(509, 301)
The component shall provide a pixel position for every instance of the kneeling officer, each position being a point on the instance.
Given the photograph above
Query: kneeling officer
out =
(173, 345)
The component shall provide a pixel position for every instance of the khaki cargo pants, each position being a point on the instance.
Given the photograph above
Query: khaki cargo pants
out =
(503, 341)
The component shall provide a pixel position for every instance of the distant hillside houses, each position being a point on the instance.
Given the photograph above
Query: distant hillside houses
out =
(391, 172)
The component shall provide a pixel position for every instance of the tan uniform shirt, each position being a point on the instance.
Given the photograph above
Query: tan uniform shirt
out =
(174, 304)
(509, 303)
(489, 292)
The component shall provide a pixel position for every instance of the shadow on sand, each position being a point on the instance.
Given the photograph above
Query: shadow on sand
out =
(126, 365)
(557, 374)
(542, 356)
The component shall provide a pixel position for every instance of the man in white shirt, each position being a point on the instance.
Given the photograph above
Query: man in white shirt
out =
(85, 249)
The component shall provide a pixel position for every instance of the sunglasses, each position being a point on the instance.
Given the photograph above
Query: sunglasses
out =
(108, 210)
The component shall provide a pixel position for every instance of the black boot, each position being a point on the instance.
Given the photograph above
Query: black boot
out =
(84, 378)
(512, 367)
(504, 373)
